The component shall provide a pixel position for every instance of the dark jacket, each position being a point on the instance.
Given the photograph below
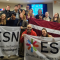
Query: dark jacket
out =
(1, 13)
(12, 22)
(37, 16)
(24, 24)
(8, 13)
(20, 10)
(56, 21)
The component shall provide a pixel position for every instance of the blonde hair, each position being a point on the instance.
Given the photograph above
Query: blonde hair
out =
(31, 14)
(24, 17)
(47, 13)
(4, 21)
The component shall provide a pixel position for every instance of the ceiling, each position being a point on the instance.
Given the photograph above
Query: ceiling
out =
(26, 1)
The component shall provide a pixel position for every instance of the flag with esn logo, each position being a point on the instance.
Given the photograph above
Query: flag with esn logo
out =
(9, 40)
(41, 48)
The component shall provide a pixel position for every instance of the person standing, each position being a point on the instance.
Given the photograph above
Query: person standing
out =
(13, 20)
(3, 20)
(1, 13)
(28, 31)
(47, 18)
(27, 9)
(16, 11)
(7, 12)
(23, 25)
(39, 14)
(19, 8)
(56, 18)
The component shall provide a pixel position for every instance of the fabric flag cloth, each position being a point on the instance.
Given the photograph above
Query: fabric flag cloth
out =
(9, 40)
(53, 28)
(32, 50)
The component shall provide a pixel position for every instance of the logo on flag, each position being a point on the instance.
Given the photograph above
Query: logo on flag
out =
(32, 45)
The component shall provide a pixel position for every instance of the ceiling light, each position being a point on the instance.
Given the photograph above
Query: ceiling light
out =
(7, 0)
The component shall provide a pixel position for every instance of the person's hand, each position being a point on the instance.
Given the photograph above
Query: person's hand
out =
(19, 11)
(23, 35)
(40, 17)
(55, 19)
(28, 16)
(21, 27)
(8, 18)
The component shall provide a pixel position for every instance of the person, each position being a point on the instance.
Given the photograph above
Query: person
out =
(28, 31)
(27, 9)
(23, 11)
(13, 20)
(40, 17)
(30, 15)
(56, 18)
(47, 18)
(16, 11)
(39, 14)
(23, 25)
(2, 23)
(19, 8)
(44, 33)
(1, 13)
(3, 20)
(22, 22)
(7, 12)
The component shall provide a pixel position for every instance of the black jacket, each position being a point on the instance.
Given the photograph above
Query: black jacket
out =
(37, 16)
(12, 22)
(8, 13)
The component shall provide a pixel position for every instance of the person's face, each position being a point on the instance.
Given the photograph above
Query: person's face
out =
(21, 15)
(8, 8)
(39, 12)
(19, 6)
(29, 28)
(16, 8)
(56, 15)
(23, 11)
(46, 14)
(13, 16)
(3, 17)
(31, 11)
(44, 33)
(27, 7)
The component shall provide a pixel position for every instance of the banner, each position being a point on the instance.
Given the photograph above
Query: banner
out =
(9, 40)
(41, 48)
(53, 28)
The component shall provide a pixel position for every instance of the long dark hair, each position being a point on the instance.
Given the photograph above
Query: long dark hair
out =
(57, 18)
(46, 32)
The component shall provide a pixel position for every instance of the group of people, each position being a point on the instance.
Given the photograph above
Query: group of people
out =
(15, 17)
(21, 17)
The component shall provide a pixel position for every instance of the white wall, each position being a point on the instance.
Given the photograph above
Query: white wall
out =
(3, 5)
(50, 9)
(56, 8)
